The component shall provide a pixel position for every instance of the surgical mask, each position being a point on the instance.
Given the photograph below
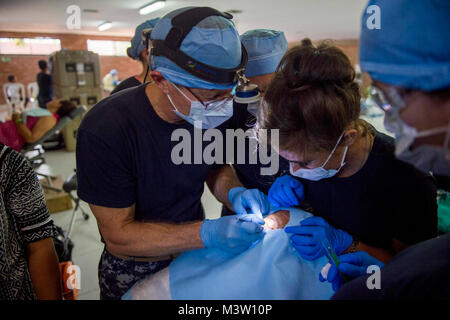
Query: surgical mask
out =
(425, 157)
(320, 173)
(208, 116)
(253, 108)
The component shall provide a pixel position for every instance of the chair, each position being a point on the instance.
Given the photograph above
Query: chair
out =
(38, 159)
(33, 92)
(15, 102)
(70, 185)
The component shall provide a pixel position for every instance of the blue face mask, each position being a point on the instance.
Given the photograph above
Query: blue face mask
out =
(208, 116)
(320, 173)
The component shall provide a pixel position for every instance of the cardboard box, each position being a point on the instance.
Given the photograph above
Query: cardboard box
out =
(56, 201)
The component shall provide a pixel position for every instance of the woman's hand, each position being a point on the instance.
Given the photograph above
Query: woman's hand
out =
(16, 117)
(313, 233)
(286, 192)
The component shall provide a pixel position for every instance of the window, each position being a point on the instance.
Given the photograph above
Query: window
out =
(36, 46)
(108, 47)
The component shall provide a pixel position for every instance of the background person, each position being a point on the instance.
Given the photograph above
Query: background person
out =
(413, 87)
(265, 48)
(36, 122)
(44, 81)
(29, 264)
(14, 93)
(110, 81)
(137, 51)
(362, 197)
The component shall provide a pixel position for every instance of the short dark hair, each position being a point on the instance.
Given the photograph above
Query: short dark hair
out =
(312, 98)
(11, 77)
(65, 109)
(42, 64)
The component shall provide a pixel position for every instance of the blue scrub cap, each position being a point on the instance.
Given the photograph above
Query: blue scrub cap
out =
(136, 41)
(213, 41)
(412, 47)
(265, 49)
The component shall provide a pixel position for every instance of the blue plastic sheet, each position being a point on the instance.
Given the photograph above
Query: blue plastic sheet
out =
(270, 269)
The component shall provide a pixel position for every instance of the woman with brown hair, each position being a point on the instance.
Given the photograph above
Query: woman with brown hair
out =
(362, 197)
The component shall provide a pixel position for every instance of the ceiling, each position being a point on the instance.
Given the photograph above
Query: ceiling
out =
(317, 19)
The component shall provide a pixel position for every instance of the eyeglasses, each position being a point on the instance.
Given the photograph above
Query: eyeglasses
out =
(212, 104)
(389, 101)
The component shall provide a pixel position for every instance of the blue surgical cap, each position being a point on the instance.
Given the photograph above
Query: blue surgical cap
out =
(265, 49)
(136, 41)
(411, 48)
(213, 41)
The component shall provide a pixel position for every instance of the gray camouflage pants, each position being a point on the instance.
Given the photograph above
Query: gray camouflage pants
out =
(116, 276)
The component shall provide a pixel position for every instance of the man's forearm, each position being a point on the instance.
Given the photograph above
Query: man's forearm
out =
(220, 181)
(147, 239)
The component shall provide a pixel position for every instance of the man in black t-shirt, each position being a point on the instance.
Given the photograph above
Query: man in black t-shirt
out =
(44, 81)
(145, 190)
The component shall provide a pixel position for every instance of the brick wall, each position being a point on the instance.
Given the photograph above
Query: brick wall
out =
(25, 67)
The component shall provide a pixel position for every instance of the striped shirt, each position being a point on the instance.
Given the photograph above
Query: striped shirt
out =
(24, 218)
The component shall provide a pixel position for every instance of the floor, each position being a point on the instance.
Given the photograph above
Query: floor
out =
(85, 236)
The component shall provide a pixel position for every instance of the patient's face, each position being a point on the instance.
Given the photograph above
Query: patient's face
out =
(277, 220)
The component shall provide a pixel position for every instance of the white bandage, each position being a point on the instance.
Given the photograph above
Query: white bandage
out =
(324, 271)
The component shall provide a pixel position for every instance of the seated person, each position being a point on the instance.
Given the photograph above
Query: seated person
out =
(270, 269)
(36, 122)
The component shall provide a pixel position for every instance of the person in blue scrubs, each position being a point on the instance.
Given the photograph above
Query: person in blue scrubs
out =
(147, 205)
(265, 49)
(408, 60)
(137, 51)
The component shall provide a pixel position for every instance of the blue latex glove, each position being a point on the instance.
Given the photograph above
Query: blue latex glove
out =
(248, 201)
(351, 264)
(308, 237)
(286, 192)
(233, 234)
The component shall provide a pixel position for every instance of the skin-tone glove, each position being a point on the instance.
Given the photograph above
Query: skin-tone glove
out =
(309, 237)
(286, 192)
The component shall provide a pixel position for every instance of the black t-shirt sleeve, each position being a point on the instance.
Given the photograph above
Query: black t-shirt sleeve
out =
(105, 176)
(125, 84)
(418, 272)
(415, 215)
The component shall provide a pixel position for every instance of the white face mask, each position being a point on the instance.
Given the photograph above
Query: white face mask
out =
(206, 117)
(426, 157)
(320, 173)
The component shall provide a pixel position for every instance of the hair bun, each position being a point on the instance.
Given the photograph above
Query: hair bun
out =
(307, 64)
